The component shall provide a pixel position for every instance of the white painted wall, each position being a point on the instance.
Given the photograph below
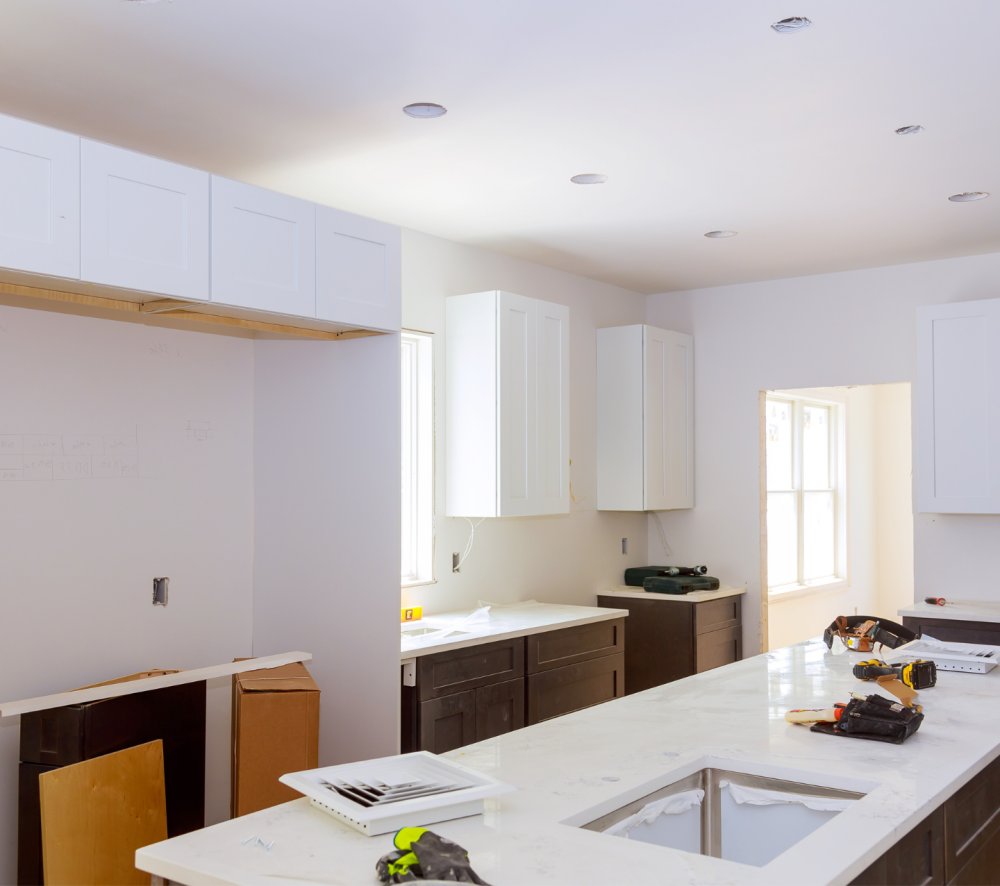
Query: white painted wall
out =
(856, 327)
(326, 530)
(77, 557)
(558, 559)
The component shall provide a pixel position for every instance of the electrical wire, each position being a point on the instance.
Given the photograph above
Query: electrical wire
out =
(662, 533)
(472, 538)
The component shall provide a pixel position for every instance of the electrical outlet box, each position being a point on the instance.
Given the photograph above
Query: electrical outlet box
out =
(160, 586)
(455, 559)
(624, 545)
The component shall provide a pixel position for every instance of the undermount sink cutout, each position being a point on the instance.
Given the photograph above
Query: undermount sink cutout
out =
(419, 632)
(737, 816)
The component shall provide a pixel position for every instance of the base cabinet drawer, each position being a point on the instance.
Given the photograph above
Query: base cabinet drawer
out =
(499, 709)
(564, 690)
(718, 648)
(445, 673)
(448, 723)
(557, 649)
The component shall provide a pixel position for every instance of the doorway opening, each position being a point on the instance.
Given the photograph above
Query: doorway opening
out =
(836, 507)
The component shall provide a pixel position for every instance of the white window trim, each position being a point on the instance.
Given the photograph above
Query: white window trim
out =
(837, 402)
(417, 347)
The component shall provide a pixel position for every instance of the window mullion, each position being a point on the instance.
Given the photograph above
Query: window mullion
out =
(799, 483)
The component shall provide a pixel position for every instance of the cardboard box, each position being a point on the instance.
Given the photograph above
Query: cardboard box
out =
(275, 731)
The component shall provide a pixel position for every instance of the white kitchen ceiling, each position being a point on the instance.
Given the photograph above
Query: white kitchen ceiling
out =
(702, 117)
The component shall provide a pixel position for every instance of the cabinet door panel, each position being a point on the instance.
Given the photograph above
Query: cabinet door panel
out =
(144, 223)
(358, 278)
(552, 368)
(718, 648)
(40, 205)
(499, 709)
(516, 381)
(958, 399)
(445, 673)
(669, 413)
(564, 690)
(972, 818)
(556, 649)
(263, 249)
(448, 723)
(714, 615)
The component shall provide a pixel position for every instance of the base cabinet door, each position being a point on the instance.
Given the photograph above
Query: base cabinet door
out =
(447, 723)
(972, 828)
(499, 709)
(917, 859)
(564, 690)
(718, 648)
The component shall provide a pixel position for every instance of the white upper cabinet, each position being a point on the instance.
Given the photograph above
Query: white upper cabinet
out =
(358, 274)
(145, 223)
(645, 419)
(263, 249)
(507, 406)
(39, 199)
(958, 408)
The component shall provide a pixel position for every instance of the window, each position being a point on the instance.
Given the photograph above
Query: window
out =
(416, 389)
(806, 522)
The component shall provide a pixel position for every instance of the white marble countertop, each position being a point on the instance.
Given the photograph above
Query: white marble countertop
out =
(959, 611)
(730, 717)
(693, 597)
(500, 623)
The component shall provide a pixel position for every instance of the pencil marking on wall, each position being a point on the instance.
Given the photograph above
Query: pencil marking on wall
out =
(199, 431)
(159, 348)
(68, 456)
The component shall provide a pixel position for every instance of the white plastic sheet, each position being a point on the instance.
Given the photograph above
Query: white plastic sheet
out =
(761, 797)
(675, 804)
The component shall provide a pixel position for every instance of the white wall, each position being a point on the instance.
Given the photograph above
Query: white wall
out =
(77, 557)
(856, 327)
(326, 531)
(558, 559)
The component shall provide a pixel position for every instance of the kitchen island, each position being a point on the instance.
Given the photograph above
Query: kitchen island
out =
(580, 766)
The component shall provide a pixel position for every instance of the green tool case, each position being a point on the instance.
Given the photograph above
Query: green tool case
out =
(636, 575)
(679, 584)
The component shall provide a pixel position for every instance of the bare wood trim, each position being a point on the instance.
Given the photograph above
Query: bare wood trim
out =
(74, 298)
(762, 414)
(164, 304)
(178, 312)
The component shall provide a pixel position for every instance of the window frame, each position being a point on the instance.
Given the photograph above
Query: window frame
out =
(837, 404)
(417, 440)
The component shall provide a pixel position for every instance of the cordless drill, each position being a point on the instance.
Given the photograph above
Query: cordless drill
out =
(915, 674)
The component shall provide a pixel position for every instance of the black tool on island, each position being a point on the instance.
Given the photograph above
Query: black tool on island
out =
(671, 579)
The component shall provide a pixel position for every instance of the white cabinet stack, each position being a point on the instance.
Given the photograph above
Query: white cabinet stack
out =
(507, 406)
(958, 408)
(645, 419)
(83, 211)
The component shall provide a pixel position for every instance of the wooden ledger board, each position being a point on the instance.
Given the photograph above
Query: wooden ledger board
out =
(97, 813)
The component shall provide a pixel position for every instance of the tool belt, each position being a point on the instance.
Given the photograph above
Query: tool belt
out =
(862, 632)
(875, 718)
(915, 674)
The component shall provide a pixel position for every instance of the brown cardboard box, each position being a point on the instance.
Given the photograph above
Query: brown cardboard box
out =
(275, 731)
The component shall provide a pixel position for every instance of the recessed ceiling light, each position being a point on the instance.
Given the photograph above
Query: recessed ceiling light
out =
(425, 110)
(716, 235)
(969, 196)
(909, 130)
(589, 178)
(790, 25)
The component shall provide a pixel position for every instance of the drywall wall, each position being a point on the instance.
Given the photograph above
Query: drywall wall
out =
(326, 529)
(856, 327)
(128, 455)
(558, 559)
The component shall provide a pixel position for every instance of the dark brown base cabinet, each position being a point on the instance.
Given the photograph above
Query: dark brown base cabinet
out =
(670, 639)
(469, 695)
(958, 843)
(954, 629)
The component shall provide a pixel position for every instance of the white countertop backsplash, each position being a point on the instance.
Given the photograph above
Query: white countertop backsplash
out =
(457, 630)
(565, 768)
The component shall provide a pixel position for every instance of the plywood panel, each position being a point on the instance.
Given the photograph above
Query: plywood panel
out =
(96, 814)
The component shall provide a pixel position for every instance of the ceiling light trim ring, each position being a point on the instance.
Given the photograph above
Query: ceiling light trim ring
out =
(425, 110)
(718, 235)
(589, 178)
(969, 196)
(791, 25)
